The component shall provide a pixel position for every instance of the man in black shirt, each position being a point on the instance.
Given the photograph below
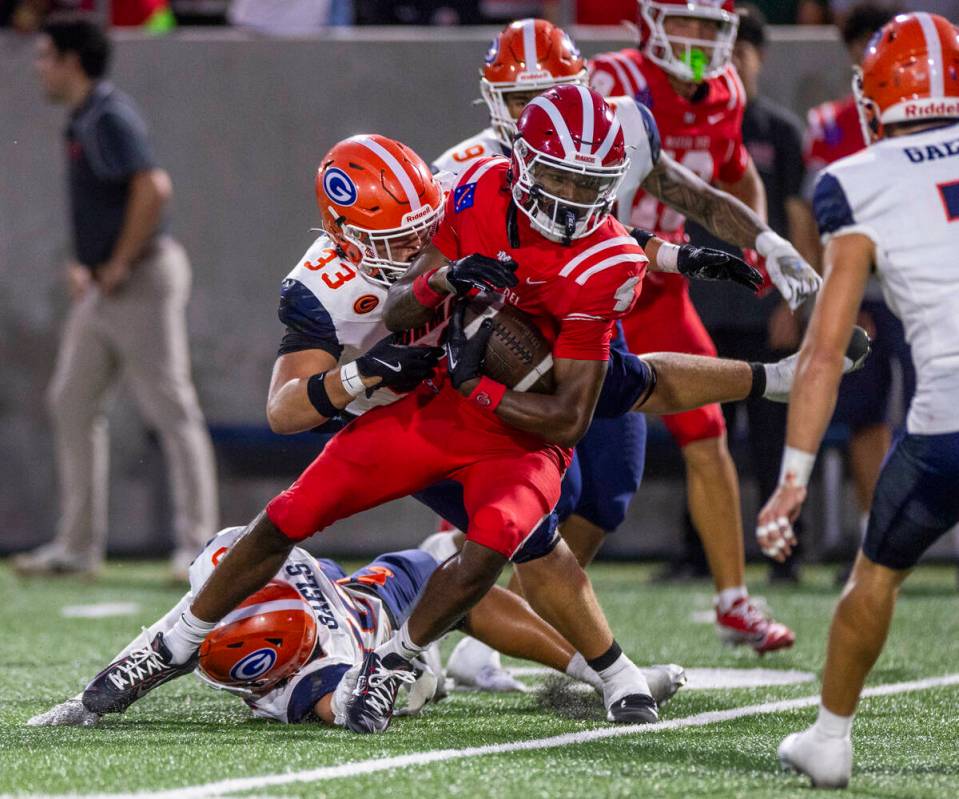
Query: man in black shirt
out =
(129, 285)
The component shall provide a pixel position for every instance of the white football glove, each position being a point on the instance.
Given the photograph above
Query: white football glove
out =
(796, 280)
(341, 696)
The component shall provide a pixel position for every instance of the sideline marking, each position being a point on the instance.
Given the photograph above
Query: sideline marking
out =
(357, 768)
(705, 679)
(101, 610)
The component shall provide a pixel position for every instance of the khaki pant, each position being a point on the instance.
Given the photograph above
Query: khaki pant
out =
(138, 334)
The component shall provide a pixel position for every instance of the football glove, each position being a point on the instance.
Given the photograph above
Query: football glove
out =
(796, 280)
(480, 272)
(401, 368)
(465, 356)
(705, 263)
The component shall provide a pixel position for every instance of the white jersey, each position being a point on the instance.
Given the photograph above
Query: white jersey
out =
(326, 303)
(642, 147)
(347, 623)
(903, 193)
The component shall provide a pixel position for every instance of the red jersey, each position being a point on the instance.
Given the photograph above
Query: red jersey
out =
(833, 132)
(574, 293)
(704, 134)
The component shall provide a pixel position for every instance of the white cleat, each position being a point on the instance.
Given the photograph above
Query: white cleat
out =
(71, 713)
(826, 761)
(664, 681)
(473, 664)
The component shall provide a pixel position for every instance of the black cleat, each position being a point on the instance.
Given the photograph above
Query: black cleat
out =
(370, 708)
(633, 709)
(125, 680)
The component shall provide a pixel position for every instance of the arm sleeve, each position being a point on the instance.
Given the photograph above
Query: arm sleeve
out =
(122, 147)
(309, 325)
(311, 688)
(834, 214)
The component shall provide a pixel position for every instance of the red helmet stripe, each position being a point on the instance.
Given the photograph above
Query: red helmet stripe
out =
(529, 44)
(395, 167)
(588, 122)
(934, 48)
(569, 149)
(611, 134)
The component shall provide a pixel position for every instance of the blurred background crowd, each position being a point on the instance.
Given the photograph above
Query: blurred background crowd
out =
(287, 17)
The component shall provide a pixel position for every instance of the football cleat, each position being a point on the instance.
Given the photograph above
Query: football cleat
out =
(745, 623)
(664, 681)
(826, 761)
(128, 679)
(633, 709)
(473, 664)
(370, 708)
(52, 561)
(71, 713)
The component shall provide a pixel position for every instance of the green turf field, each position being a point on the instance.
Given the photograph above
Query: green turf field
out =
(185, 736)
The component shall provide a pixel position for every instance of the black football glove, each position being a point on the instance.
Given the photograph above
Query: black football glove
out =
(401, 368)
(705, 263)
(480, 272)
(464, 357)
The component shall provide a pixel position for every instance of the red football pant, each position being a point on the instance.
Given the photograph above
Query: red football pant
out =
(511, 480)
(665, 320)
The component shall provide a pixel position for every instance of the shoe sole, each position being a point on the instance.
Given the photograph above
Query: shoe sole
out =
(638, 716)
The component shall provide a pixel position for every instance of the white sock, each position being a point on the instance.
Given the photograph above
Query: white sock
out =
(779, 378)
(621, 678)
(728, 597)
(186, 635)
(476, 652)
(863, 525)
(829, 725)
(579, 669)
(401, 644)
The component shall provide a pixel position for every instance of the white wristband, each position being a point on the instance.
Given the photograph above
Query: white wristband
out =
(351, 380)
(667, 258)
(769, 240)
(796, 467)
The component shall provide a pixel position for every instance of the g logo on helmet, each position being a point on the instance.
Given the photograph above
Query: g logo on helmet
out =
(254, 665)
(339, 187)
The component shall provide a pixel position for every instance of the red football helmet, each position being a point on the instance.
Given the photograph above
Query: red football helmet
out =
(910, 73)
(695, 56)
(379, 203)
(266, 639)
(568, 160)
(529, 55)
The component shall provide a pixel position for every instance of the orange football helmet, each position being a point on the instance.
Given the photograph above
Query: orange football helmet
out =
(379, 203)
(266, 639)
(910, 73)
(528, 55)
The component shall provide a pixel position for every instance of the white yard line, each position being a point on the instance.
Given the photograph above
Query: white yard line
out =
(358, 768)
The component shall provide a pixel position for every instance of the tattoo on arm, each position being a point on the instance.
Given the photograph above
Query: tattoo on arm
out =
(402, 310)
(720, 213)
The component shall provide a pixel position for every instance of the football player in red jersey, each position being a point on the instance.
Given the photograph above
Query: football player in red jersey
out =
(682, 73)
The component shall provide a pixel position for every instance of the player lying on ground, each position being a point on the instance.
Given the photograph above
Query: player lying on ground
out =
(661, 186)
(423, 437)
(891, 208)
(285, 650)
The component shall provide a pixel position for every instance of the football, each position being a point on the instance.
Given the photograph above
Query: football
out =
(517, 354)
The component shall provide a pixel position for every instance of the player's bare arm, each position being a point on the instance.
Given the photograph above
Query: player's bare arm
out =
(721, 214)
(288, 406)
(848, 260)
(749, 190)
(413, 299)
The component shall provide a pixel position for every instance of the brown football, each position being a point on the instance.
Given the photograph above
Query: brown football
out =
(517, 355)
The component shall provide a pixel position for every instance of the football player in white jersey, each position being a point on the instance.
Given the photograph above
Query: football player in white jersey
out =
(286, 649)
(891, 208)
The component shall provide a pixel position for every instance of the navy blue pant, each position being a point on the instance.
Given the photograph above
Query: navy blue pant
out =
(916, 499)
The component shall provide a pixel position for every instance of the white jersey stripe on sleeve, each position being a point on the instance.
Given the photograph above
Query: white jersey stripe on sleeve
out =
(588, 121)
(639, 80)
(529, 44)
(395, 167)
(934, 46)
(559, 123)
(608, 263)
(474, 173)
(621, 76)
(590, 252)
